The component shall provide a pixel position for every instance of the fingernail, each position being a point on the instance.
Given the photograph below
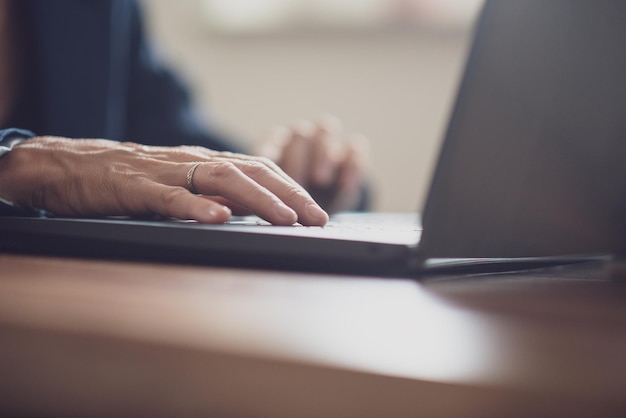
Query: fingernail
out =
(216, 213)
(285, 212)
(315, 211)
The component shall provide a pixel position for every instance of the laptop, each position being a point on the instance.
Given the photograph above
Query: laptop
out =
(532, 169)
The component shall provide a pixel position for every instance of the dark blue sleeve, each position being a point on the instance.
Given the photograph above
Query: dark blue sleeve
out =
(160, 108)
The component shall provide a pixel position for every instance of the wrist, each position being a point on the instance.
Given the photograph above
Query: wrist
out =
(9, 139)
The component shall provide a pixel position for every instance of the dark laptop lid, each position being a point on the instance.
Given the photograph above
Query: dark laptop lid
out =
(534, 161)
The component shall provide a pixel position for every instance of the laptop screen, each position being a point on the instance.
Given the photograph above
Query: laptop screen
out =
(534, 161)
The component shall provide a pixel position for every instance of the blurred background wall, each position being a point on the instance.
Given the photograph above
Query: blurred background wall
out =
(390, 73)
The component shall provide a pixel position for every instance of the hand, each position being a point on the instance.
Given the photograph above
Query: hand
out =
(321, 157)
(96, 177)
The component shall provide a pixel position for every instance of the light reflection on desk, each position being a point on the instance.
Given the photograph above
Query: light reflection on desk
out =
(355, 322)
(397, 329)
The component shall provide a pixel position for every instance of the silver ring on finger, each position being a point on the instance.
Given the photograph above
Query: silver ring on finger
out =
(192, 170)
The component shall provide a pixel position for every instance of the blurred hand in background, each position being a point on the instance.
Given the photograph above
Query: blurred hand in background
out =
(325, 159)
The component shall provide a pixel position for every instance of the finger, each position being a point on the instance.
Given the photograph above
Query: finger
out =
(326, 147)
(354, 164)
(350, 179)
(295, 159)
(292, 194)
(265, 193)
(223, 178)
(248, 159)
(188, 154)
(165, 162)
(177, 202)
(236, 209)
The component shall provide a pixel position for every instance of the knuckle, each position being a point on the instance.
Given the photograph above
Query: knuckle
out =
(268, 164)
(256, 168)
(191, 150)
(304, 129)
(222, 169)
(292, 193)
(226, 154)
(130, 146)
(194, 148)
(265, 161)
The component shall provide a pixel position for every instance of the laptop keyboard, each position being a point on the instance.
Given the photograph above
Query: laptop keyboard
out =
(394, 228)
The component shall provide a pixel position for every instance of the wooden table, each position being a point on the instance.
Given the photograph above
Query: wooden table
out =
(103, 338)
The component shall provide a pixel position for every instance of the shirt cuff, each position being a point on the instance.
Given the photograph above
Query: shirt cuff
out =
(9, 138)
